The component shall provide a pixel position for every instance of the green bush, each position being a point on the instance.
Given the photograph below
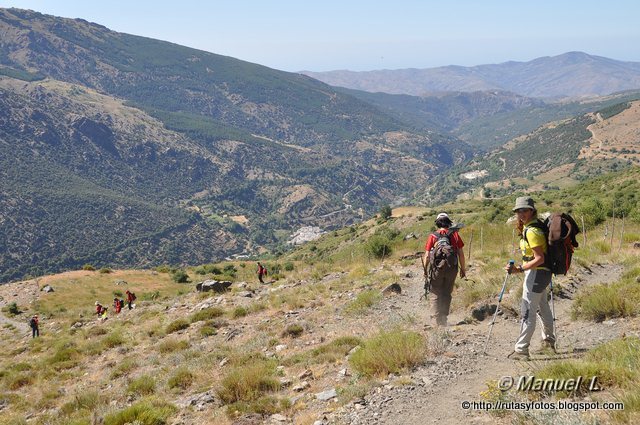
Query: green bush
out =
(146, 412)
(181, 378)
(89, 267)
(206, 314)
(294, 331)
(363, 301)
(180, 276)
(288, 266)
(114, 339)
(385, 212)
(105, 270)
(171, 345)
(142, 386)
(249, 382)
(389, 352)
(239, 312)
(177, 325)
(12, 309)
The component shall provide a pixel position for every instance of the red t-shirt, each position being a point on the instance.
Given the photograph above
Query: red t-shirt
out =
(456, 240)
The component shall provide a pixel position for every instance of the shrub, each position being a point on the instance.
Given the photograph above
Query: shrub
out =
(146, 412)
(105, 270)
(124, 368)
(171, 344)
(114, 339)
(177, 325)
(389, 352)
(239, 312)
(288, 266)
(182, 378)
(363, 301)
(19, 380)
(163, 269)
(206, 314)
(293, 331)
(85, 400)
(89, 267)
(208, 330)
(12, 309)
(249, 382)
(180, 276)
(377, 246)
(142, 386)
(385, 212)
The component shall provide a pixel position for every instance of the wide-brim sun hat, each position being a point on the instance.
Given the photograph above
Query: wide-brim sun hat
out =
(524, 202)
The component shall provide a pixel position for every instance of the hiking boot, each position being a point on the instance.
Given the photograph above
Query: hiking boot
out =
(548, 346)
(518, 356)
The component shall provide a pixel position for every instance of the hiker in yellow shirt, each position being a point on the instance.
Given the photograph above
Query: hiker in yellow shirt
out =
(537, 278)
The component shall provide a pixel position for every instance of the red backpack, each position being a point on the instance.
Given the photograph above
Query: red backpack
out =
(560, 230)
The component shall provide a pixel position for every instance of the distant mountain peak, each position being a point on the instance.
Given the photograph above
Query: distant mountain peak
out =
(572, 74)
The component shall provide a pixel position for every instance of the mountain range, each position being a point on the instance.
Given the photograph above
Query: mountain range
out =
(120, 149)
(569, 75)
(124, 151)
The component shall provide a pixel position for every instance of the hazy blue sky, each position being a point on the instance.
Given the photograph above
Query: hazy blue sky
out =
(366, 35)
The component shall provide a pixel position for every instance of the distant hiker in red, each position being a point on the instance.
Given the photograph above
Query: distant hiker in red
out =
(98, 309)
(34, 323)
(117, 305)
(442, 259)
(131, 297)
(262, 271)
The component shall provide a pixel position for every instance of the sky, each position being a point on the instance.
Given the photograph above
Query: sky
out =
(360, 35)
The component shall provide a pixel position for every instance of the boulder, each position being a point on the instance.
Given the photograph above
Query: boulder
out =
(394, 288)
(47, 288)
(218, 286)
(327, 395)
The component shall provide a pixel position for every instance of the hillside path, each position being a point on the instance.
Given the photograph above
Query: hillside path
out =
(461, 372)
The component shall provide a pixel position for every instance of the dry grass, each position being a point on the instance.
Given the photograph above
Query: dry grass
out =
(389, 352)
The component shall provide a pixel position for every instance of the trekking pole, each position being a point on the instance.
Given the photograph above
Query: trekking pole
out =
(553, 315)
(504, 286)
(426, 285)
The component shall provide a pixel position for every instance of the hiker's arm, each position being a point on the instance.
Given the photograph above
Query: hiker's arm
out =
(538, 259)
(461, 261)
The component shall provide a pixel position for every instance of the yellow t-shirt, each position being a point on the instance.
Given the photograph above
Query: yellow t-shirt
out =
(535, 238)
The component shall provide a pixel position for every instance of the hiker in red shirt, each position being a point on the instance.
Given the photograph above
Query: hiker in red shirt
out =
(34, 323)
(262, 271)
(98, 309)
(442, 258)
(131, 297)
(117, 305)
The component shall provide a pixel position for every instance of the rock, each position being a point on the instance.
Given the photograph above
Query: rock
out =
(410, 236)
(412, 256)
(306, 374)
(246, 294)
(327, 395)
(200, 401)
(223, 362)
(218, 286)
(120, 282)
(353, 350)
(47, 288)
(394, 288)
(483, 311)
(301, 386)
(280, 347)
(343, 373)
(285, 382)
(636, 245)
(279, 418)
(638, 279)
(77, 325)
(305, 234)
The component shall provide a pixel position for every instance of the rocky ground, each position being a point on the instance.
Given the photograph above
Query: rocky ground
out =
(462, 371)
(455, 370)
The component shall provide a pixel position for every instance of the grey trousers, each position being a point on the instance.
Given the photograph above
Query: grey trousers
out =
(535, 303)
(440, 297)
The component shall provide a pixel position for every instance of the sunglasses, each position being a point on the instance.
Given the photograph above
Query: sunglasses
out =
(521, 210)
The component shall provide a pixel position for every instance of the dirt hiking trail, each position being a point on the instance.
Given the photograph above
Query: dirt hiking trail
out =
(461, 370)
